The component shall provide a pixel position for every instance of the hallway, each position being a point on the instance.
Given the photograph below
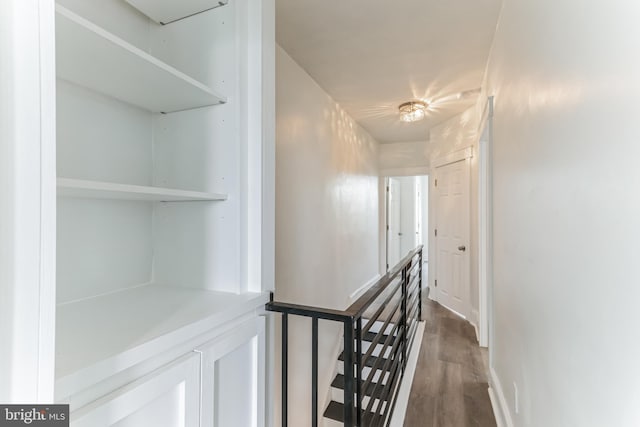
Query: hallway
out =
(450, 384)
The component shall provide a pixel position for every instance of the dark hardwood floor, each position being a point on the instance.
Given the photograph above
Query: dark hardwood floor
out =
(450, 385)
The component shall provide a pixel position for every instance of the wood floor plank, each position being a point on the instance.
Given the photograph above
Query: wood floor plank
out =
(448, 410)
(450, 387)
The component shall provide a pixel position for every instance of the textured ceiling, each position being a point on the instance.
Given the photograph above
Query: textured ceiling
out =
(371, 56)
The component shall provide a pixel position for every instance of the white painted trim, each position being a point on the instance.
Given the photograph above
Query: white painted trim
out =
(499, 402)
(432, 242)
(260, 377)
(268, 151)
(400, 411)
(385, 224)
(485, 259)
(408, 171)
(27, 201)
(255, 32)
(494, 407)
(460, 315)
(456, 156)
(473, 319)
(362, 289)
(48, 202)
(270, 366)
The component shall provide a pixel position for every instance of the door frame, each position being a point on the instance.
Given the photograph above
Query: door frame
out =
(485, 227)
(464, 154)
(386, 223)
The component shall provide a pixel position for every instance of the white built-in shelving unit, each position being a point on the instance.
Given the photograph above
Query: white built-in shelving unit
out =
(148, 318)
(158, 112)
(92, 57)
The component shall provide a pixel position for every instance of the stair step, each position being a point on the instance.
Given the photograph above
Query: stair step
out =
(335, 411)
(370, 336)
(369, 362)
(338, 382)
(377, 326)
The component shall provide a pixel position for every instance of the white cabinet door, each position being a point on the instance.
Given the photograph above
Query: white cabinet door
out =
(233, 377)
(167, 397)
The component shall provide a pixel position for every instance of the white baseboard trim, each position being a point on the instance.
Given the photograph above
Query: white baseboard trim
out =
(498, 402)
(494, 406)
(474, 321)
(474, 316)
(475, 327)
(362, 289)
(400, 411)
(432, 295)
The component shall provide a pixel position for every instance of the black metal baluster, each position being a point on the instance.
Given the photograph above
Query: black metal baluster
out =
(401, 278)
(348, 373)
(420, 286)
(404, 319)
(285, 357)
(314, 372)
(358, 404)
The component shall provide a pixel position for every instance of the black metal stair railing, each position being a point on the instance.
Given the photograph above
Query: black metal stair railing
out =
(385, 317)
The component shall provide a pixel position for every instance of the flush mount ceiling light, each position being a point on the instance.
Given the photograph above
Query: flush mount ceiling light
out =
(412, 111)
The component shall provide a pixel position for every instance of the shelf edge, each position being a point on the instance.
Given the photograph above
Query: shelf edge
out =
(100, 189)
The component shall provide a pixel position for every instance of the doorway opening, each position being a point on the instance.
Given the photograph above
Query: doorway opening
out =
(407, 218)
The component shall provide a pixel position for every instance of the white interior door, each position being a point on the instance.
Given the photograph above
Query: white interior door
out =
(452, 225)
(394, 233)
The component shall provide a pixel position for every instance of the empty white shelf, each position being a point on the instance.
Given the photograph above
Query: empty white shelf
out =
(98, 337)
(166, 11)
(91, 57)
(107, 190)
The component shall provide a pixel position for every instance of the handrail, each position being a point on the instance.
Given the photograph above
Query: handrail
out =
(365, 300)
(395, 344)
(308, 311)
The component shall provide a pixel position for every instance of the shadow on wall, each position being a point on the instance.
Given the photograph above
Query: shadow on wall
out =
(455, 134)
(349, 143)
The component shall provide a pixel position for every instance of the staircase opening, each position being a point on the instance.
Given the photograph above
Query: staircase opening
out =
(378, 333)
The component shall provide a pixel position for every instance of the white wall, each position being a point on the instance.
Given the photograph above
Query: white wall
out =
(454, 134)
(404, 158)
(566, 211)
(326, 217)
